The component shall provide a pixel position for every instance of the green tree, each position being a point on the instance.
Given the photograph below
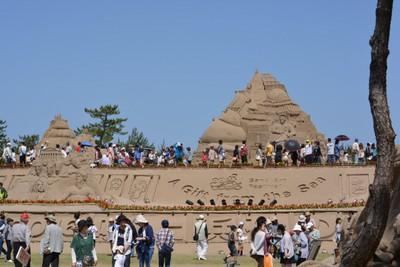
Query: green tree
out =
(138, 138)
(30, 140)
(107, 125)
(3, 136)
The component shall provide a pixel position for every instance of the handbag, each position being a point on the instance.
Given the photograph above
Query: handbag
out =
(166, 248)
(196, 234)
(88, 261)
(268, 260)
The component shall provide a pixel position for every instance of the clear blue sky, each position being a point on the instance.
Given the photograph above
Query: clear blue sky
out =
(172, 66)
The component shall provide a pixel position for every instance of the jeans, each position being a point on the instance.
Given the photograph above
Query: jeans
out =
(331, 159)
(1, 247)
(145, 257)
(164, 259)
(51, 259)
(16, 246)
(9, 249)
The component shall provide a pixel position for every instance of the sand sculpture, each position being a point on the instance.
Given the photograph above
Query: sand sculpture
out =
(59, 133)
(263, 112)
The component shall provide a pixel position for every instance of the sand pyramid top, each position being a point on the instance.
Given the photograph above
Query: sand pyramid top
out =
(260, 113)
(58, 133)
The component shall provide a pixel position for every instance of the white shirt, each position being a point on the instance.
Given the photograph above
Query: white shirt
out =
(308, 150)
(257, 245)
(331, 148)
(287, 245)
(355, 147)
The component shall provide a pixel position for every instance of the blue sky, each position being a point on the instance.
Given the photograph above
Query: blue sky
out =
(172, 66)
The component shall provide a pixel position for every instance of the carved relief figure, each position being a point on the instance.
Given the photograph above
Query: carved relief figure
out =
(282, 129)
(80, 190)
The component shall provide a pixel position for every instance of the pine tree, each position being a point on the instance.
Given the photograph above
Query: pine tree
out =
(107, 125)
(3, 136)
(30, 140)
(137, 138)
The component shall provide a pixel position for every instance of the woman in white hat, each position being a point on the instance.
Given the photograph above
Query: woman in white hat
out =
(302, 243)
(146, 241)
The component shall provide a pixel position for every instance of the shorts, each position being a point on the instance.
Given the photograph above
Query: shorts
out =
(287, 260)
(232, 250)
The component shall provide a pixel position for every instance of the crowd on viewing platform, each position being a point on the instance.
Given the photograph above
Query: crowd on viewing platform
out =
(273, 154)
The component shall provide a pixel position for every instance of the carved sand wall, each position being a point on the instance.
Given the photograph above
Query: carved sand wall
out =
(263, 112)
(59, 180)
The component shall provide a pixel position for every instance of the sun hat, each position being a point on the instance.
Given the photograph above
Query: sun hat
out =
(297, 228)
(141, 219)
(200, 217)
(24, 216)
(307, 213)
(302, 218)
(51, 218)
(268, 221)
(274, 218)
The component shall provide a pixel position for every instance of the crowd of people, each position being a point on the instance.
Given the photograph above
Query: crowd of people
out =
(268, 240)
(272, 154)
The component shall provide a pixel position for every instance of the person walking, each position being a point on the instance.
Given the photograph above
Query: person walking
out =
(201, 237)
(286, 247)
(3, 226)
(3, 192)
(52, 244)
(122, 242)
(21, 238)
(258, 241)
(22, 150)
(83, 252)
(302, 243)
(244, 152)
(241, 235)
(145, 239)
(165, 243)
(8, 239)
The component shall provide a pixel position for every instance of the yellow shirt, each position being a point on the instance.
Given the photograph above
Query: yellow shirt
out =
(269, 150)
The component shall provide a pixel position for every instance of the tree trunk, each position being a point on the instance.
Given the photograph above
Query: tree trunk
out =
(372, 221)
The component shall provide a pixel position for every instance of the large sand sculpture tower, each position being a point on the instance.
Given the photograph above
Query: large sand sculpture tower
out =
(261, 113)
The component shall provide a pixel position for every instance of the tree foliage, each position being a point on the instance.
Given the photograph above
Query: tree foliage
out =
(137, 138)
(106, 126)
(3, 135)
(30, 140)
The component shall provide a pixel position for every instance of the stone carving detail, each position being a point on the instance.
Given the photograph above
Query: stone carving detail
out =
(263, 112)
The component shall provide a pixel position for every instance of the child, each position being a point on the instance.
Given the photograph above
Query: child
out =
(338, 231)
(119, 257)
(204, 158)
(232, 238)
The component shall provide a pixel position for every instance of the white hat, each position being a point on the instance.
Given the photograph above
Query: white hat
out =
(241, 223)
(200, 217)
(297, 228)
(268, 221)
(302, 218)
(8, 144)
(141, 219)
(309, 225)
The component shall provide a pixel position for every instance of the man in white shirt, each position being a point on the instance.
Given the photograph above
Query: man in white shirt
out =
(52, 244)
(355, 149)
(21, 237)
(22, 151)
(7, 154)
(331, 152)
(201, 234)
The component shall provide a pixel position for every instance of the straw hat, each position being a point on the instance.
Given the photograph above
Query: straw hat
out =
(274, 218)
(302, 219)
(200, 217)
(51, 218)
(141, 219)
(268, 221)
